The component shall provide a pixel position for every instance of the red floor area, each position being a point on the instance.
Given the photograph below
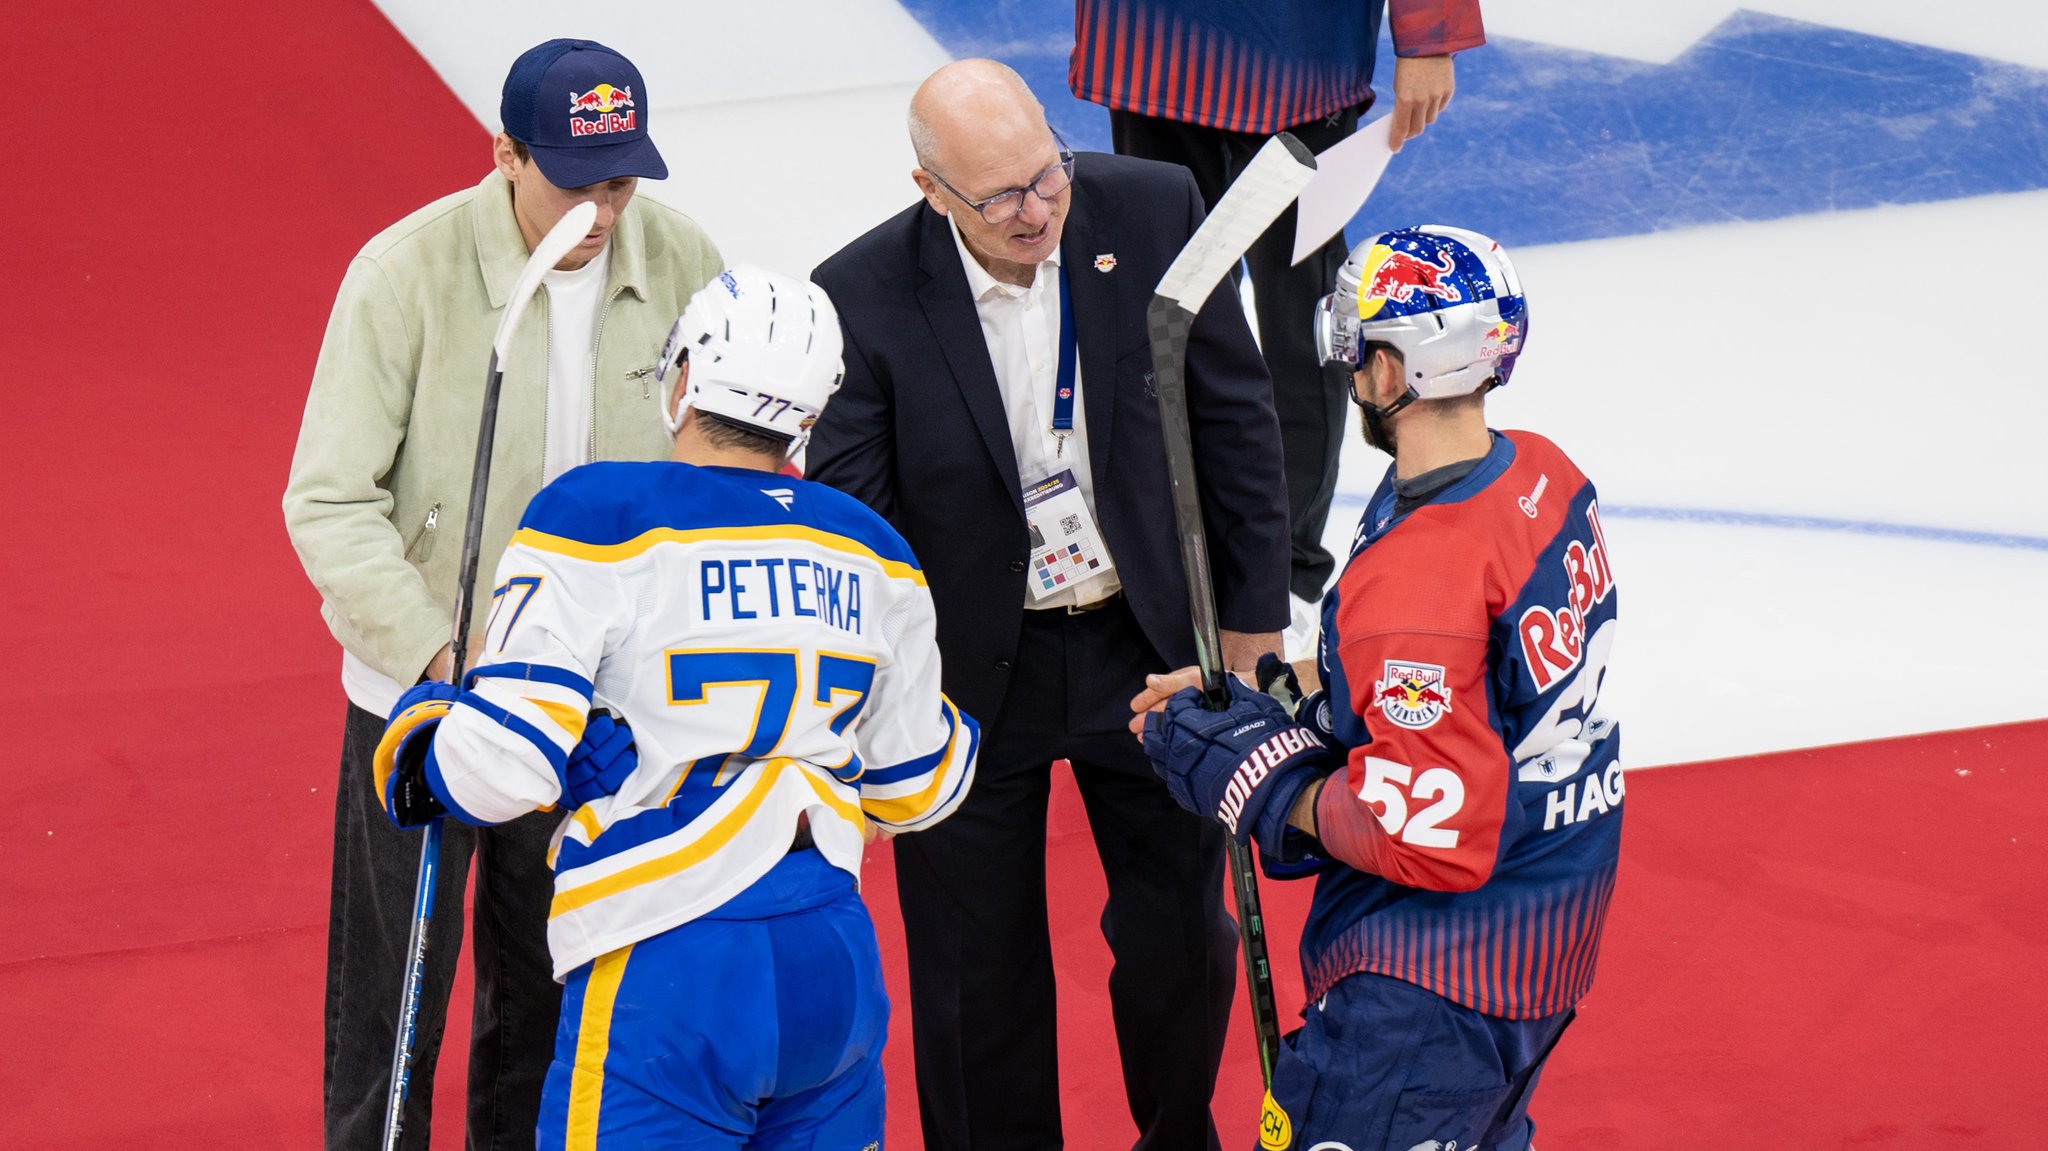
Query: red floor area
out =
(1836, 948)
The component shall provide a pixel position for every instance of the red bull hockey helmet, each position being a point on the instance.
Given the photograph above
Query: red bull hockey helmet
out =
(764, 353)
(1446, 298)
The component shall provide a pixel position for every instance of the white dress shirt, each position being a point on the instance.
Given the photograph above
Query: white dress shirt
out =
(1022, 329)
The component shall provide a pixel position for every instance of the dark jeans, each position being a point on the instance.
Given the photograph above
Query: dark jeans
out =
(973, 892)
(1309, 398)
(512, 1025)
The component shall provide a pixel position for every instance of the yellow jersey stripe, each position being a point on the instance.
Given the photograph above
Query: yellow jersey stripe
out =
(638, 545)
(909, 807)
(567, 718)
(593, 1044)
(681, 859)
(847, 811)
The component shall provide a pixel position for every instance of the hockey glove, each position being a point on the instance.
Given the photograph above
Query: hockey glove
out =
(599, 765)
(399, 769)
(1277, 679)
(1243, 766)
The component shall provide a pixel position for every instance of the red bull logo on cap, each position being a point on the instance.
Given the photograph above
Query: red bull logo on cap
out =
(1413, 695)
(603, 98)
(1402, 277)
(596, 112)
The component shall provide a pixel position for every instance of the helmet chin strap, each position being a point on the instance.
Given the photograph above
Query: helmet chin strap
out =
(1375, 418)
(1371, 408)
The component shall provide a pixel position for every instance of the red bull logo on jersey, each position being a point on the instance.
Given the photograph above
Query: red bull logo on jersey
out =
(1413, 695)
(1404, 278)
(1554, 639)
(596, 112)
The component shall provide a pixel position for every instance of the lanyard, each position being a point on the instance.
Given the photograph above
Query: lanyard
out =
(1063, 386)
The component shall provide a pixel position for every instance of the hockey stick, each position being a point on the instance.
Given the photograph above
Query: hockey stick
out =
(1260, 193)
(566, 234)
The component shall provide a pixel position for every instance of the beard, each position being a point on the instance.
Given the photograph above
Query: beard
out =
(1375, 429)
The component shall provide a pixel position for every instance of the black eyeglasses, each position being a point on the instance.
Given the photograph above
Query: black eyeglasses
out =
(1004, 206)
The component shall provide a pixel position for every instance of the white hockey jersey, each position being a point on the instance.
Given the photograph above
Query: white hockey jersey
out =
(771, 643)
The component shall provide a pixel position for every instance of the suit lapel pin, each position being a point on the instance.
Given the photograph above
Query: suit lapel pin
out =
(1105, 262)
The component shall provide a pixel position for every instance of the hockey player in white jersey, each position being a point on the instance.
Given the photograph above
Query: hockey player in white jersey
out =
(769, 644)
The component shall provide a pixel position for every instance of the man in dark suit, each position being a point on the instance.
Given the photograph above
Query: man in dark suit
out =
(996, 343)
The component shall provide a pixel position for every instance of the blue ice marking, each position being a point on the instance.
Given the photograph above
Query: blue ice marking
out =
(1356, 504)
(1763, 118)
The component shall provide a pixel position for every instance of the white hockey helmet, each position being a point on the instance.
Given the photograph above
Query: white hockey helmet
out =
(764, 353)
(1446, 298)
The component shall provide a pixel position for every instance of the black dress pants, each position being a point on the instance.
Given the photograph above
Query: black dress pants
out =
(1309, 398)
(973, 893)
(512, 1025)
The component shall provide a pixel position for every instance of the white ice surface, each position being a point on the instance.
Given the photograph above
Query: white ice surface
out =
(1881, 367)
(1802, 368)
(785, 183)
(690, 52)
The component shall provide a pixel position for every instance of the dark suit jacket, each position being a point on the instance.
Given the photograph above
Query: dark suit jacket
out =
(918, 430)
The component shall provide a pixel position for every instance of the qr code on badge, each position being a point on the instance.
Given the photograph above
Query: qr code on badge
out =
(1071, 525)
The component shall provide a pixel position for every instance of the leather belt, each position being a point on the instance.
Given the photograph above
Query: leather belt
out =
(1085, 608)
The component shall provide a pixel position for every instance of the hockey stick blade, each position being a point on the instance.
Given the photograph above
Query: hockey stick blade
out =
(565, 235)
(1346, 174)
(1276, 175)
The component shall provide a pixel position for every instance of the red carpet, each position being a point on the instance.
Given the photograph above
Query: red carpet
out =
(1842, 948)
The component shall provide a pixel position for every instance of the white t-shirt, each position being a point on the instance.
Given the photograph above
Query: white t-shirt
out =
(574, 301)
(1022, 329)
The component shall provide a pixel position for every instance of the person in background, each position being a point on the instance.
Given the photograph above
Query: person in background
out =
(381, 473)
(1204, 83)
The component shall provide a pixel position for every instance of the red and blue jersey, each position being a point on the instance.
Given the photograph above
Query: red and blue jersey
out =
(1472, 848)
(1250, 67)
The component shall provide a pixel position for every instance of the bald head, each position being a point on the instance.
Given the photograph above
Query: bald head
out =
(968, 100)
(980, 133)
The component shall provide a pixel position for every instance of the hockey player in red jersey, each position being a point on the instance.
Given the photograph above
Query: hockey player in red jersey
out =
(1456, 787)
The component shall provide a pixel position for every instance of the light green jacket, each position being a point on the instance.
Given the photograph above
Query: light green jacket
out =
(379, 483)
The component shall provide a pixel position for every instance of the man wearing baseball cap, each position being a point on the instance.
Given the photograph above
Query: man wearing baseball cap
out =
(380, 477)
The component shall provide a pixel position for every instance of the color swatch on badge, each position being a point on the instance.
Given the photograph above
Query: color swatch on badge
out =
(1062, 566)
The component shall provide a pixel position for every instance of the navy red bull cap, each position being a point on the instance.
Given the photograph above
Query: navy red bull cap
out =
(581, 110)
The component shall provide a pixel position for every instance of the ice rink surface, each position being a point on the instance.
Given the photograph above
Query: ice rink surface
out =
(1784, 262)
